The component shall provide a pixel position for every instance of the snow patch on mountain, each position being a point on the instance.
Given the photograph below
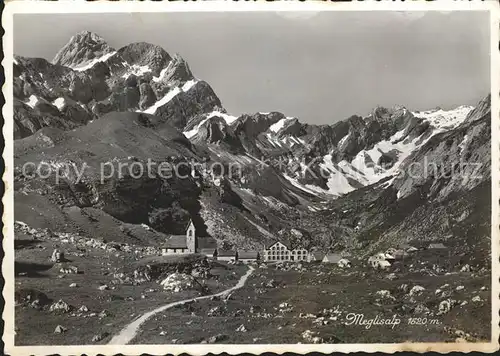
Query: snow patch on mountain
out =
(342, 140)
(169, 96)
(59, 103)
(137, 70)
(366, 167)
(32, 101)
(195, 130)
(337, 182)
(462, 144)
(280, 124)
(93, 62)
(445, 119)
(291, 141)
(164, 71)
(229, 119)
(189, 84)
(274, 141)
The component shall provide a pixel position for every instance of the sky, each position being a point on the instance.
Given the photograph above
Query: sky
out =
(319, 67)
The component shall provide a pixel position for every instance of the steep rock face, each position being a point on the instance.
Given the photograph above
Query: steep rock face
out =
(267, 182)
(104, 165)
(197, 100)
(481, 110)
(215, 130)
(145, 54)
(89, 73)
(293, 127)
(147, 96)
(82, 49)
(177, 71)
(29, 119)
(252, 125)
(248, 128)
(381, 125)
(451, 161)
(125, 96)
(43, 79)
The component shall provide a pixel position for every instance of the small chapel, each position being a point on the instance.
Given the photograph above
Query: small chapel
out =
(188, 243)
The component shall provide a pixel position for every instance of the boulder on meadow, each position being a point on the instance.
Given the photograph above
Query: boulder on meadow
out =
(60, 329)
(57, 256)
(177, 282)
(416, 290)
(60, 306)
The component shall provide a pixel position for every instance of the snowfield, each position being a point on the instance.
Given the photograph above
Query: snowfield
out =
(195, 130)
(162, 73)
(93, 62)
(445, 119)
(169, 96)
(137, 70)
(365, 167)
(280, 124)
(32, 101)
(59, 103)
(229, 119)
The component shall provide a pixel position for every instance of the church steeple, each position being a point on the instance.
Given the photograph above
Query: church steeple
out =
(191, 237)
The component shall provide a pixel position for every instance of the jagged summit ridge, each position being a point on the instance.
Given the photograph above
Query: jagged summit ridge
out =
(81, 49)
(91, 77)
(144, 77)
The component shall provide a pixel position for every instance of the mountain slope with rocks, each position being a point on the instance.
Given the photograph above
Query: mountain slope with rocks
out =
(344, 184)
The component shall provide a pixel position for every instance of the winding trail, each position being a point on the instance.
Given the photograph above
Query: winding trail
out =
(130, 331)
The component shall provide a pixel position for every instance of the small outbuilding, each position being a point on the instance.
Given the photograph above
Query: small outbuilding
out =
(209, 252)
(317, 256)
(227, 255)
(332, 258)
(248, 256)
(436, 246)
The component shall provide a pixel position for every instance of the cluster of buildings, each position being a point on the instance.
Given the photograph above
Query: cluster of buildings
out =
(383, 260)
(190, 243)
(281, 251)
(273, 252)
(276, 251)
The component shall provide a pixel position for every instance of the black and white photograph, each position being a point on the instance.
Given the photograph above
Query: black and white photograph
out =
(309, 179)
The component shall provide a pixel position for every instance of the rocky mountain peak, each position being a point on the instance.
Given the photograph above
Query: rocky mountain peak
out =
(143, 54)
(383, 114)
(89, 36)
(178, 69)
(81, 49)
(482, 108)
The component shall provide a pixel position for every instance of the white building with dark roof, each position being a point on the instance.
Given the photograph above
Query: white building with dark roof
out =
(281, 251)
(188, 243)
